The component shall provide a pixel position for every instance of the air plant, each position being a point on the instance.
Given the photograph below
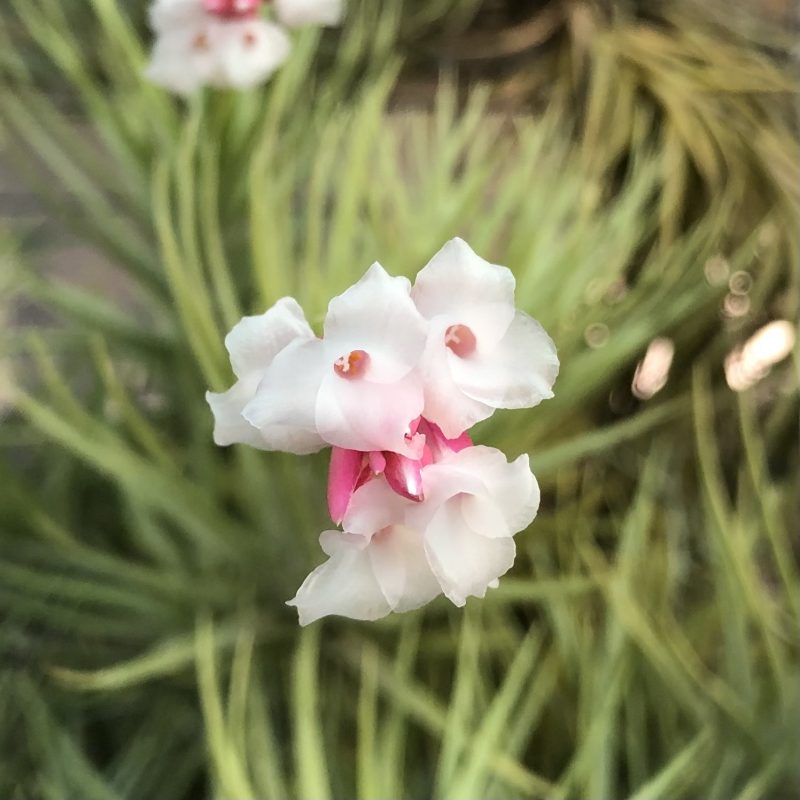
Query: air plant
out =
(644, 643)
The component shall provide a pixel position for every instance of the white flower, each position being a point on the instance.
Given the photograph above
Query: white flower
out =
(358, 387)
(167, 14)
(481, 353)
(398, 554)
(424, 512)
(367, 578)
(252, 344)
(197, 47)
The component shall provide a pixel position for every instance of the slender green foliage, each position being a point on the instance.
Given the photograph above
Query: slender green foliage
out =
(644, 645)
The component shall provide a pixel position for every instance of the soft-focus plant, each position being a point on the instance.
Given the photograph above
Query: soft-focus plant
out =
(644, 645)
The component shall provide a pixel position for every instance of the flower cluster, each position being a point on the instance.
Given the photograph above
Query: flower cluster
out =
(399, 376)
(226, 43)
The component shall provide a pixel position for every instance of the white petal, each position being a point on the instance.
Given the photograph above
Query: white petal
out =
(309, 12)
(515, 490)
(284, 405)
(441, 481)
(333, 542)
(254, 341)
(401, 568)
(361, 415)
(441, 484)
(178, 64)
(377, 315)
(518, 373)
(465, 562)
(512, 488)
(230, 427)
(249, 52)
(175, 14)
(373, 507)
(460, 286)
(344, 585)
(445, 403)
(484, 516)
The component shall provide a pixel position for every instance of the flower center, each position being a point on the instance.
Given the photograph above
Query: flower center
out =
(232, 9)
(461, 340)
(200, 42)
(352, 365)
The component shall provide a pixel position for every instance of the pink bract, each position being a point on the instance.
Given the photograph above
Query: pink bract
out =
(233, 9)
(351, 469)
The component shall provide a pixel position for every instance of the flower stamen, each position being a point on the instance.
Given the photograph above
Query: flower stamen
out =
(352, 365)
(200, 42)
(461, 340)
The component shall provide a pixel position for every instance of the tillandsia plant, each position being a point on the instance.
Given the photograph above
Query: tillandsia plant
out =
(644, 643)
(399, 377)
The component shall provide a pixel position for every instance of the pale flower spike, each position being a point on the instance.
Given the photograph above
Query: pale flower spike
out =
(397, 554)
(226, 43)
(398, 377)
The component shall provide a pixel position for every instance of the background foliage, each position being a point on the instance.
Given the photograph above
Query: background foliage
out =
(645, 644)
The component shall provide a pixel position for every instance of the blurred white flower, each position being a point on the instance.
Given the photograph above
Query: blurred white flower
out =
(198, 46)
(397, 554)
(226, 43)
(481, 353)
(253, 344)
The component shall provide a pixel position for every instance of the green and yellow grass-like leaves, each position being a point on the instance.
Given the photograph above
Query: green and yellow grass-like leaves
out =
(645, 644)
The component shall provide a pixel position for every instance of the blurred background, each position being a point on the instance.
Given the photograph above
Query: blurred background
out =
(636, 165)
